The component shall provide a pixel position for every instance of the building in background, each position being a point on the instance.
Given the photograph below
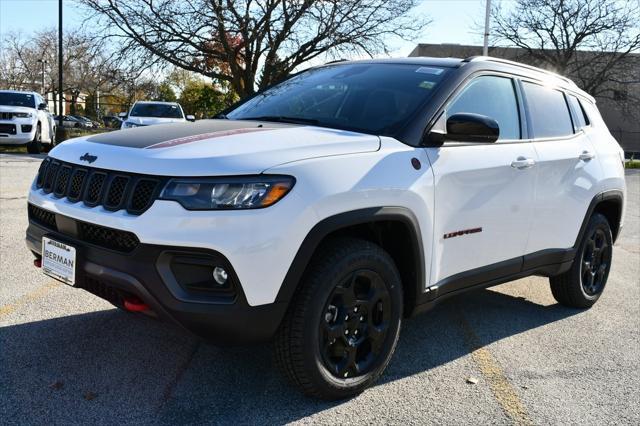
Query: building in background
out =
(621, 110)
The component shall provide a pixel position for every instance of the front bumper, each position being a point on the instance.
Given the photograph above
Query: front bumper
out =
(17, 131)
(145, 272)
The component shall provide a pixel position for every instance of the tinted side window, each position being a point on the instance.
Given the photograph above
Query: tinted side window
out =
(548, 111)
(494, 97)
(581, 118)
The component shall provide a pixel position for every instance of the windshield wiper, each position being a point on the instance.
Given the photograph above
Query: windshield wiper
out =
(283, 119)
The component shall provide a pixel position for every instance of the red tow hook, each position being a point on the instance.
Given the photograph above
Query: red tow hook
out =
(37, 263)
(134, 304)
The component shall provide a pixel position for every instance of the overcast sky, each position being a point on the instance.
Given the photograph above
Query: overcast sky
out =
(453, 20)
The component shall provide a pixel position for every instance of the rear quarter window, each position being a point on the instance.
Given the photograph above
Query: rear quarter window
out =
(548, 111)
(581, 118)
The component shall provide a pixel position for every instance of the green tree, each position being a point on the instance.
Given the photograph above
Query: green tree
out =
(204, 100)
(166, 93)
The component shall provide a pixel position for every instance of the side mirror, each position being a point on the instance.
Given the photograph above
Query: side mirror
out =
(42, 106)
(191, 117)
(464, 127)
(122, 114)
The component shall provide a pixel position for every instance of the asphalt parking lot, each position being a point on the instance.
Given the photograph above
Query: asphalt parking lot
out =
(68, 357)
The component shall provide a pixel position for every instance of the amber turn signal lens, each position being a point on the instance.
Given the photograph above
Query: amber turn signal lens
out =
(276, 192)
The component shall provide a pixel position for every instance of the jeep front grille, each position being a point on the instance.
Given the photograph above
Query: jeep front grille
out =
(110, 189)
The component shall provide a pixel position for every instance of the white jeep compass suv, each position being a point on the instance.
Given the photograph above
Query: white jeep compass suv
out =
(324, 210)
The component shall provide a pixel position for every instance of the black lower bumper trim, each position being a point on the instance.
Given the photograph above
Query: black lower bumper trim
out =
(111, 275)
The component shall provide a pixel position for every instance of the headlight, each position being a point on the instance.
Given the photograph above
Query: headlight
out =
(22, 114)
(250, 192)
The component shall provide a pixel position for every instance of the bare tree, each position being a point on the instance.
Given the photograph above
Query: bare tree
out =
(589, 40)
(253, 43)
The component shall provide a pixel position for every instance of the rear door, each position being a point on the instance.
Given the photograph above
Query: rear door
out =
(567, 169)
(483, 192)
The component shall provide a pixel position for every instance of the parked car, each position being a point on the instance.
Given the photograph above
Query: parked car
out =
(89, 123)
(328, 208)
(25, 120)
(144, 113)
(72, 122)
(111, 121)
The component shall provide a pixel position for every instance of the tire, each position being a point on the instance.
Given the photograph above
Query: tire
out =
(35, 146)
(582, 285)
(351, 288)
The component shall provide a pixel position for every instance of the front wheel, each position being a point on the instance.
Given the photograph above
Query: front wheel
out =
(35, 146)
(343, 324)
(583, 284)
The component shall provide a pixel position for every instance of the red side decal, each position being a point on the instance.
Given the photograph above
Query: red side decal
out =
(203, 136)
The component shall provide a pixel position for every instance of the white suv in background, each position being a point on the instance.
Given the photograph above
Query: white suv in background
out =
(324, 210)
(145, 113)
(25, 120)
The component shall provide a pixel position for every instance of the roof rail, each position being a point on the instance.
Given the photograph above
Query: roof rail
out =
(518, 64)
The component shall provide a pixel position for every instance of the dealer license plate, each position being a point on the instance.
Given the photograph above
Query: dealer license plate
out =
(59, 260)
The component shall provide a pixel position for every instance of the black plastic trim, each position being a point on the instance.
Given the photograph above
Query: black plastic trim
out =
(136, 273)
(548, 262)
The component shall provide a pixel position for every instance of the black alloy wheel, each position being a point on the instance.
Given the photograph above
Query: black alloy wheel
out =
(355, 324)
(596, 259)
(583, 283)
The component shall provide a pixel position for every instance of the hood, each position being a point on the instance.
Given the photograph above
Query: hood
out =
(148, 121)
(211, 147)
(9, 108)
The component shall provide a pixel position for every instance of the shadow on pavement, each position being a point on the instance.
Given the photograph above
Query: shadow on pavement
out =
(113, 365)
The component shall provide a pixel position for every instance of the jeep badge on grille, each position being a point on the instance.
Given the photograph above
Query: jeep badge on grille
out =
(88, 158)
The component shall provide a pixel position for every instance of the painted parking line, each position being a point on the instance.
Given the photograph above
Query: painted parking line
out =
(29, 297)
(493, 373)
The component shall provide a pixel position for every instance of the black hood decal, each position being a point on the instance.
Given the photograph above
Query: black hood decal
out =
(144, 137)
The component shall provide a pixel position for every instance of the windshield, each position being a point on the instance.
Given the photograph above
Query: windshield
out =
(156, 110)
(17, 99)
(370, 98)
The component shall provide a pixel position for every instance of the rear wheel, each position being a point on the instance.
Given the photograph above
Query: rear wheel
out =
(35, 146)
(582, 285)
(343, 324)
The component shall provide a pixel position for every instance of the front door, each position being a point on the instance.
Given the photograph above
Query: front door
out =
(484, 193)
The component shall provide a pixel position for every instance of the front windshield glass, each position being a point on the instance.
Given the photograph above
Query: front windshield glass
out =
(156, 110)
(370, 98)
(17, 99)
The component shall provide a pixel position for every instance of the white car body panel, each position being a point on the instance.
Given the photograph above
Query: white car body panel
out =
(476, 187)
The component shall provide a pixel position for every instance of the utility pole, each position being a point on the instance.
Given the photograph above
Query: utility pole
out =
(487, 15)
(60, 90)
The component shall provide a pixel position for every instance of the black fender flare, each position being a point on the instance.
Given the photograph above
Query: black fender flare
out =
(344, 220)
(612, 194)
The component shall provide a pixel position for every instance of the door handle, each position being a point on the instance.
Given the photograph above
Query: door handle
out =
(523, 163)
(587, 156)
